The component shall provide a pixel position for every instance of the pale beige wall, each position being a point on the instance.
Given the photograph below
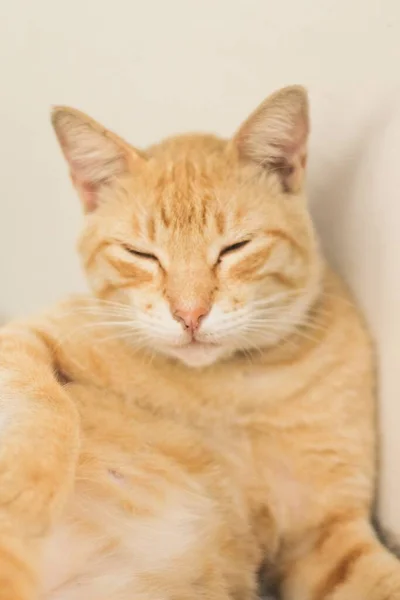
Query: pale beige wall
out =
(366, 242)
(148, 69)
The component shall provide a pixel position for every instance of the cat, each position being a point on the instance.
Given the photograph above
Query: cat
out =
(207, 412)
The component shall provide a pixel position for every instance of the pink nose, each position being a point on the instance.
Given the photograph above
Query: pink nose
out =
(191, 319)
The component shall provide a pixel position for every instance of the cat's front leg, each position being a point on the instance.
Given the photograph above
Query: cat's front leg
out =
(39, 438)
(346, 562)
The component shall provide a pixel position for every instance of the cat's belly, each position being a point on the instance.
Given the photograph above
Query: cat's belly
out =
(109, 547)
(148, 530)
(155, 511)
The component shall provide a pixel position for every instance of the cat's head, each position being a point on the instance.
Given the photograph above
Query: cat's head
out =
(199, 247)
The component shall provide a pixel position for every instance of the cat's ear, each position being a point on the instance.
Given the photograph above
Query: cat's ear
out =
(95, 155)
(275, 136)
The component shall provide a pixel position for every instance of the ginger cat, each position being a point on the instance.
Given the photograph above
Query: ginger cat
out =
(209, 409)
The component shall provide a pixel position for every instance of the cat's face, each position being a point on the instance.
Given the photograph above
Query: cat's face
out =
(199, 248)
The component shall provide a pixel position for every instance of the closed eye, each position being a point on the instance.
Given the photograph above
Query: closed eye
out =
(140, 254)
(232, 248)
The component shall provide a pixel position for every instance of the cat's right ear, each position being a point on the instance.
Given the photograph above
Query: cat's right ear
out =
(95, 155)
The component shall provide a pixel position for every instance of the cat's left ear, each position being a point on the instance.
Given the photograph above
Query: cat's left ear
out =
(95, 155)
(275, 136)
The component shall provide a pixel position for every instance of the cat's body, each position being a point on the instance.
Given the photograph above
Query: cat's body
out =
(189, 474)
(137, 475)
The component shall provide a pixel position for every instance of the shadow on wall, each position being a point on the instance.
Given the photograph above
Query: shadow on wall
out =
(357, 211)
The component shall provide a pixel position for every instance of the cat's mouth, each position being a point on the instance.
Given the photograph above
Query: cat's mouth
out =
(197, 353)
(194, 343)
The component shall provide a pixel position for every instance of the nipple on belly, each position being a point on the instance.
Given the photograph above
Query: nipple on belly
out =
(116, 476)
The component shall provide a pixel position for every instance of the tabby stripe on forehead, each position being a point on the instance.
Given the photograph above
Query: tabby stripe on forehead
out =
(220, 222)
(203, 218)
(137, 275)
(164, 217)
(151, 229)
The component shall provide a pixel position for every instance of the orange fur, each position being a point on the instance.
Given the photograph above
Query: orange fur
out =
(210, 407)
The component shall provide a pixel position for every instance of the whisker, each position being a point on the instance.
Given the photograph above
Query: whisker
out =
(124, 335)
(100, 301)
(101, 310)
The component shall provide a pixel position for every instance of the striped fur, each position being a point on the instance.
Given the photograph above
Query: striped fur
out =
(145, 458)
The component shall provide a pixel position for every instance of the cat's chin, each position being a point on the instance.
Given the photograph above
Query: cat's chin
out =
(197, 355)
